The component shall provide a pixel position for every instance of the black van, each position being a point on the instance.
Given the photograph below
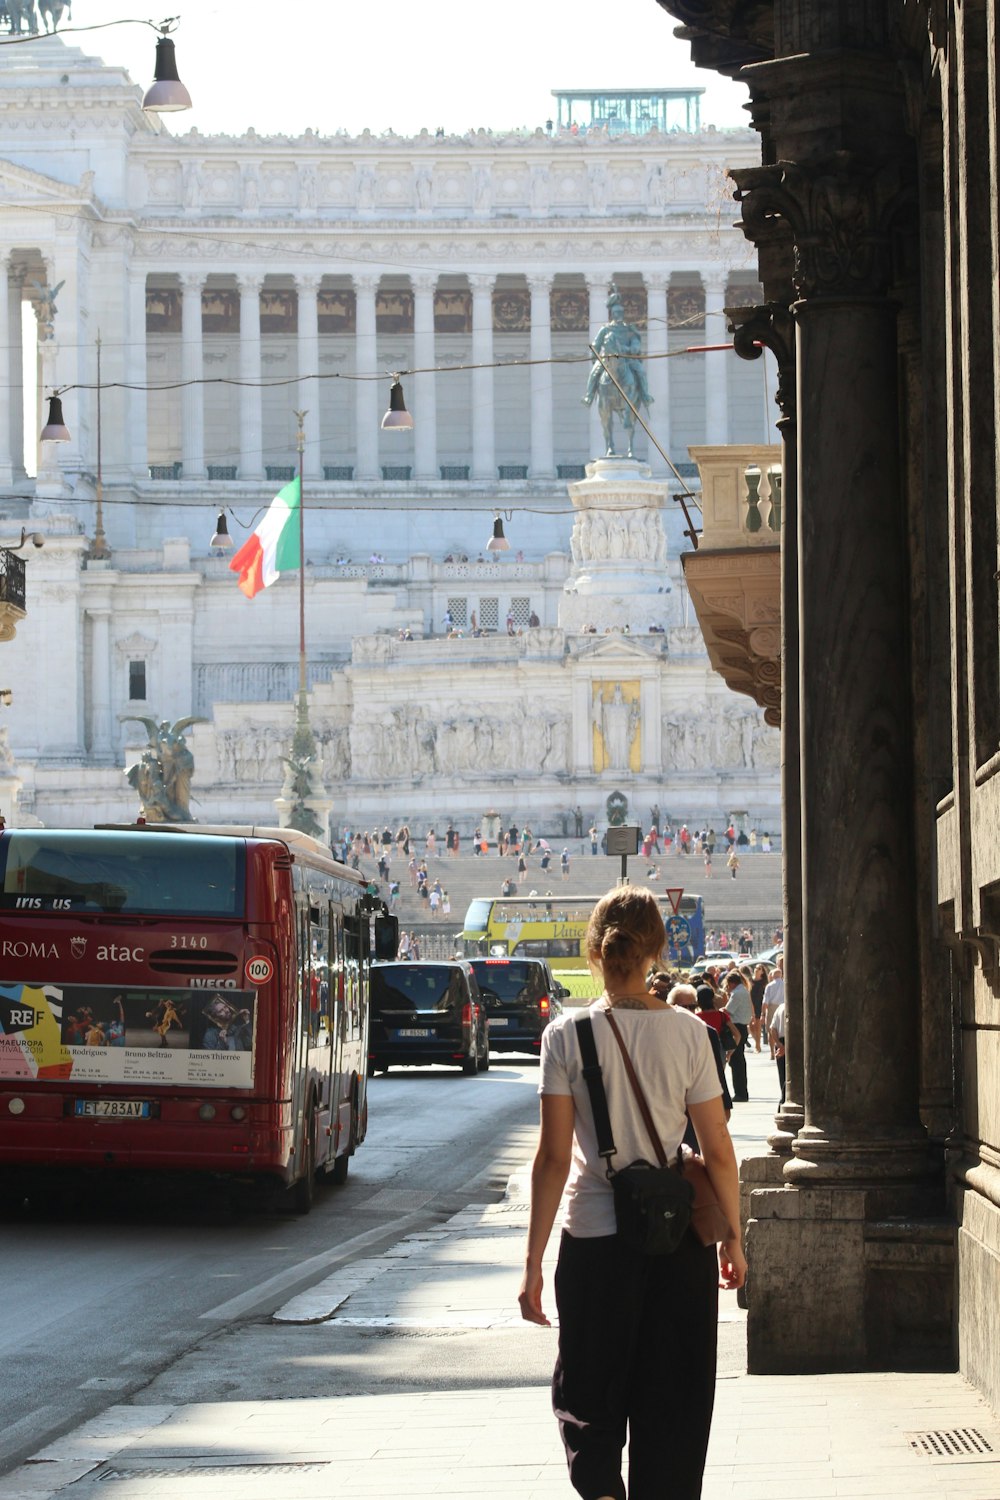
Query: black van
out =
(521, 997)
(427, 1013)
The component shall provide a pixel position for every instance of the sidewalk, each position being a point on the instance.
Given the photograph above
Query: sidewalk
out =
(895, 1437)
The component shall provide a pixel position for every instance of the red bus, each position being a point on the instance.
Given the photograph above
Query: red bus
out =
(183, 999)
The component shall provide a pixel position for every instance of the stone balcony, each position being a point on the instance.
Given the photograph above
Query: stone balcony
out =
(12, 609)
(734, 577)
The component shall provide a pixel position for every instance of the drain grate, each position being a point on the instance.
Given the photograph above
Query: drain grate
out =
(965, 1444)
(217, 1471)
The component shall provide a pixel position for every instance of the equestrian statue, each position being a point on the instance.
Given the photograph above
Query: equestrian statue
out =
(618, 348)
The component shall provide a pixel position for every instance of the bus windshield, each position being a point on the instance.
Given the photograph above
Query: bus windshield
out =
(155, 874)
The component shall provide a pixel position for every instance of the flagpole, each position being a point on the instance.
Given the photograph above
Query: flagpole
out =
(300, 442)
(303, 743)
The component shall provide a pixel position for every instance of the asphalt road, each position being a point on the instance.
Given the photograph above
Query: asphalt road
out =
(101, 1302)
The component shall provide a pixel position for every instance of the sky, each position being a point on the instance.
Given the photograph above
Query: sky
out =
(401, 64)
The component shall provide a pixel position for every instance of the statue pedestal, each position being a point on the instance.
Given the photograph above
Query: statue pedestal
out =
(619, 550)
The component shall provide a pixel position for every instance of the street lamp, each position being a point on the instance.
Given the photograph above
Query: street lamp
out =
(397, 418)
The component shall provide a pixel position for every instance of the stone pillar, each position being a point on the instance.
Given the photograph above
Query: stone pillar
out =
(6, 331)
(542, 462)
(251, 405)
(100, 680)
(658, 370)
(136, 401)
(308, 389)
(425, 455)
(716, 365)
(598, 290)
(863, 1203)
(367, 392)
(15, 283)
(484, 462)
(193, 369)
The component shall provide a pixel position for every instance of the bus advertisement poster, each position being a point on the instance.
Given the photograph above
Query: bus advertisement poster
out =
(120, 1034)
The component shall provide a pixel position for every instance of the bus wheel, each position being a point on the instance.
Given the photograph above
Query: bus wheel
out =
(303, 1192)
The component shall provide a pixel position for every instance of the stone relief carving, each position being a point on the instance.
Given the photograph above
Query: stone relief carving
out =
(407, 741)
(600, 535)
(250, 755)
(731, 740)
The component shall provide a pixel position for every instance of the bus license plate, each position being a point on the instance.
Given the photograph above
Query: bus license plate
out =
(114, 1109)
(415, 1031)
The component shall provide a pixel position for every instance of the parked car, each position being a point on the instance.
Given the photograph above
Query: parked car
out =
(716, 958)
(521, 996)
(427, 1013)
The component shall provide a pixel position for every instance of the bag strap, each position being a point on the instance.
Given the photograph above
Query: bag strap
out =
(594, 1080)
(640, 1097)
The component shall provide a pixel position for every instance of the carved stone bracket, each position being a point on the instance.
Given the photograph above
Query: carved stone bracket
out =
(736, 595)
(840, 213)
(768, 326)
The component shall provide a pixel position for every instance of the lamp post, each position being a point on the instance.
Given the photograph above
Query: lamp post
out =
(99, 549)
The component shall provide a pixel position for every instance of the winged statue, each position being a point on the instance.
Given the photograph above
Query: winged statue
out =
(162, 775)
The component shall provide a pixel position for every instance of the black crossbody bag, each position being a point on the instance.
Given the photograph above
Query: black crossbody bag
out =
(652, 1204)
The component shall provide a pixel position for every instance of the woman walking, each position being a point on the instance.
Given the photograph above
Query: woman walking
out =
(637, 1332)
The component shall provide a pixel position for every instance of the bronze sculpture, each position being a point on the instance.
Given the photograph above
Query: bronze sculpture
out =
(162, 775)
(618, 344)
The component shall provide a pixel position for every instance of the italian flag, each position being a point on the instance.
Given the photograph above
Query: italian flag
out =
(274, 546)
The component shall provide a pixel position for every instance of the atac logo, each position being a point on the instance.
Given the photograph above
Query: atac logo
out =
(78, 946)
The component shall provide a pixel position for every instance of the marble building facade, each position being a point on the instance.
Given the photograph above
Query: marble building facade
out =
(292, 267)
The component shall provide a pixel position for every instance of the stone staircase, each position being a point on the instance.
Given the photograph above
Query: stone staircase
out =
(752, 899)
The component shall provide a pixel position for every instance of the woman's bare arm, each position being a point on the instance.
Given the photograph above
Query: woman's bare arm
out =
(716, 1145)
(548, 1178)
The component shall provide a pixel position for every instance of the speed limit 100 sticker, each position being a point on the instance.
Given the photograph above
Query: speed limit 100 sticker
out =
(258, 970)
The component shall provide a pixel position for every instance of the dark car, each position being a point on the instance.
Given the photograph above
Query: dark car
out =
(521, 998)
(427, 1013)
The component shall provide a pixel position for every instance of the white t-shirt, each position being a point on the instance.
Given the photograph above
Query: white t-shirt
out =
(672, 1056)
(774, 995)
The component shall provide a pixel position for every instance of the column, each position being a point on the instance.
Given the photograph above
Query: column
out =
(15, 282)
(309, 390)
(484, 460)
(861, 974)
(861, 1158)
(100, 679)
(658, 370)
(193, 369)
(6, 332)
(251, 401)
(598, 289)
(716, 365)
(542, 465)
(136, 401)
(367, 393)
(424, 386)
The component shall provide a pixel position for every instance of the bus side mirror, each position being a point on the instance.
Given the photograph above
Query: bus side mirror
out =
(386, 938)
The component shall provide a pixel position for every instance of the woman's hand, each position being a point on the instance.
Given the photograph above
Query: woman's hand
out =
(530, 1297)
(732, 1265)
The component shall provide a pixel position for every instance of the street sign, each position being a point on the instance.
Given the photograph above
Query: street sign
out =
(678, 931)
(674, 894)
(258, 970)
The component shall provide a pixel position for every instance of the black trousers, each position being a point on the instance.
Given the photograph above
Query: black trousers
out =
(637, 1337)
(738, 1063)
(781, 1076)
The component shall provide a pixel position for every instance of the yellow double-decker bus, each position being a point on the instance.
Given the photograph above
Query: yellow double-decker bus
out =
(554, 927)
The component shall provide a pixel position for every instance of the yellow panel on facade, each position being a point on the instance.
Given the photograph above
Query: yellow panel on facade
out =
(615, 720)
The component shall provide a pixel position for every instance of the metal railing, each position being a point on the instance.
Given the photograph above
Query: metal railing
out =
(11, 579)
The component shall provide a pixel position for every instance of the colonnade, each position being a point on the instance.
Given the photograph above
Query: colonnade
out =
(370, 395)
